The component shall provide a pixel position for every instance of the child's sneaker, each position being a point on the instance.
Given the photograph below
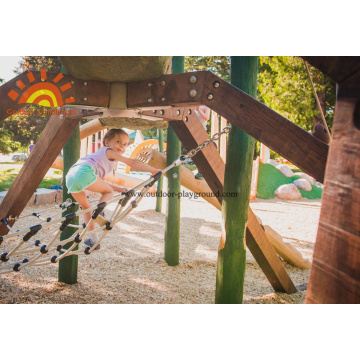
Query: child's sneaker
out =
(199, 176)
(91, 241)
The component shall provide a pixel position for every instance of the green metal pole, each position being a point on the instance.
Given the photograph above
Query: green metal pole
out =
(68, 266)
(238, 170)
(172, 231)
(160, 182)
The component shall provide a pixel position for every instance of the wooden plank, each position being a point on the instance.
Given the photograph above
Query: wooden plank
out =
(210, 164)
(71, 91)
(223, 141)
(266, 257)
(281, 135)
(215, 126)
(48, 147)
(339, 68)
(335, 273)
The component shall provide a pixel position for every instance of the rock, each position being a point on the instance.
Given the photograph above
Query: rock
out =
(285, 170)
(45, 196)
(273, 162)
(59, 196)
(303, 184)
(309, 178)
(288, 192)
(30, 202)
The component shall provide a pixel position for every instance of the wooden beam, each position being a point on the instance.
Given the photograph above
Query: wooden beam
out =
(281, 135)
(210, 164)
(335, 272)
(48, 147)
(339, 68)
(16, 93)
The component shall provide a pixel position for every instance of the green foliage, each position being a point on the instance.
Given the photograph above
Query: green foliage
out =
(50, 63)
(284, 86)
(7, 144)
(219, 65)
(24, 128)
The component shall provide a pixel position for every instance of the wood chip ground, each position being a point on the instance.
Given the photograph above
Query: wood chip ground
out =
(130, 266)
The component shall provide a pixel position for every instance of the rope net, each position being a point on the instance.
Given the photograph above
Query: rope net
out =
(40, 244)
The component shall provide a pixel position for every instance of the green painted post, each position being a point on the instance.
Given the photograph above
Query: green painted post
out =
(173, 151)
(160, 182)
(68, 266)
(239, 159)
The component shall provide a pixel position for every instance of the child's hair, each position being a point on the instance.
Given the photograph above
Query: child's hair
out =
(111, 134)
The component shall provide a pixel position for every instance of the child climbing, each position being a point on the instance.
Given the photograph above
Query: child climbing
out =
(89, 172)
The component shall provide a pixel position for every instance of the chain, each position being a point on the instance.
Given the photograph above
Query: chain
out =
(215, 137)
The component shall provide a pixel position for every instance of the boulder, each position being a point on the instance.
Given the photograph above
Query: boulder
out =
(288, 192)
(3, 194)
(45, 196)
(303, 184)
(309, 178)
(285, 170)
(273, 162)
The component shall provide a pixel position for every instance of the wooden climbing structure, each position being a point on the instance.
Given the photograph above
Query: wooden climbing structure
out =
(335, 273)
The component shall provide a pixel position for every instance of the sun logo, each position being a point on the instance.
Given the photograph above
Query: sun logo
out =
(42, 93)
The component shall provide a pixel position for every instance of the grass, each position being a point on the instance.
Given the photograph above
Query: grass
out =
(8, 176)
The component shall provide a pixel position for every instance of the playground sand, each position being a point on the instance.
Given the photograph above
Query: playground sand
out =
(130, 266)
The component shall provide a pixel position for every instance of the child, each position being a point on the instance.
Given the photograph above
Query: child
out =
(89, 171)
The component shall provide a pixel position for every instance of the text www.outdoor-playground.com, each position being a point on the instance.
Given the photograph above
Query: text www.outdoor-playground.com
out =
(191, 195)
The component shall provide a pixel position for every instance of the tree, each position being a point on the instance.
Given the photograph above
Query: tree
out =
(50, 63)
(284, 86)
(23, 128)
(219, 65)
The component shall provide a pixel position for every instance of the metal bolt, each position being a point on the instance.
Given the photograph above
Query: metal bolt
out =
(190, 111)
(186, 119)
(192, 79)
(72, 82)
(162, 83)
(149, 84)
(192, 93)
(85, 99)
(210, 96)
(175, 176)
(161, 112)
(216, 84)
(149, 100)
(85, 83)
(178, 112)
(162, 99)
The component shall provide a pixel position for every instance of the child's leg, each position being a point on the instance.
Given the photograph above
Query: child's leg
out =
(99, 186)
(83, 201)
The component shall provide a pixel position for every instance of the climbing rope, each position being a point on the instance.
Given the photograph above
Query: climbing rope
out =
(48, 248)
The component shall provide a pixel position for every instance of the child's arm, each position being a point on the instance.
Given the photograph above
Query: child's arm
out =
(135, 165)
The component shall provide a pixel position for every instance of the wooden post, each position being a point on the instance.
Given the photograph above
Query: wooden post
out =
(335, 272)
(68, 266)
(232, 248)
(160, 182)
(172, 231)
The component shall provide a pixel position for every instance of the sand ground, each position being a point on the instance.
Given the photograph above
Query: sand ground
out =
(130, 266)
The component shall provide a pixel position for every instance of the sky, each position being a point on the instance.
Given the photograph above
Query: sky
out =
(7, 65)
